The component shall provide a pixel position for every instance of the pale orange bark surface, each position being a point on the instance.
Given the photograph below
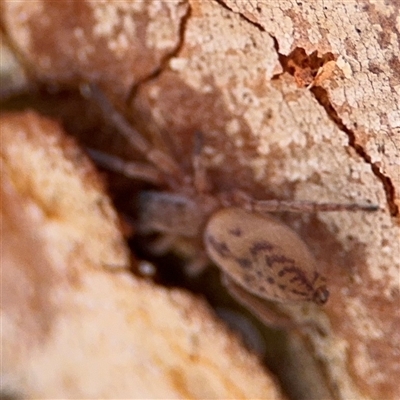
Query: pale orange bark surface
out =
(276, 122)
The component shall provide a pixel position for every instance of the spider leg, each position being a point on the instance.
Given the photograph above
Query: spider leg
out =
(158, 158)
(200, 173)
(8, 92)
(134, 170)
(196, 266)
(165, 243)
(264, 206)
(162, 245)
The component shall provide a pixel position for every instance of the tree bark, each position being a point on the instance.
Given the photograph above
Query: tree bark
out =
(295, 101)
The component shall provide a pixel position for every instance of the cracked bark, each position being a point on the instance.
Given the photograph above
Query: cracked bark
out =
(163, 64)
(269, 133)
(322, 96)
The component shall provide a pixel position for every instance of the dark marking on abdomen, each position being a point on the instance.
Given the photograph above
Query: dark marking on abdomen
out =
(299, 293)
(261, 246)
(220, 247)
(244, 262)
(278, 259)
(235, 232)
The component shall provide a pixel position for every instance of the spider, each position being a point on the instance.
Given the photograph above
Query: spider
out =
(260, 257)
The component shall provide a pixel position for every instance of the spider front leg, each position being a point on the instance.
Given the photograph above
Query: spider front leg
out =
(159, 159)
(130, 169)
(241, 199)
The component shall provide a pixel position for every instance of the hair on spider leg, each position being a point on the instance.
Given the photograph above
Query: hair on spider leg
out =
(133, 169)
(295, 206)
(309, 206)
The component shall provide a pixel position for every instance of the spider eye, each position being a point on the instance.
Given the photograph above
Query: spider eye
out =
(321, 295)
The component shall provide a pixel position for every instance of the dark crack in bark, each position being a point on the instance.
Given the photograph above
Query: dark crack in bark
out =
(321, 95)
(165, 59)
(257, 25)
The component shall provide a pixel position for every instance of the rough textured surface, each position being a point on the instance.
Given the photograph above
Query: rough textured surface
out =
(118, 42)
(363, 92)
(73, 328)
(279, 124)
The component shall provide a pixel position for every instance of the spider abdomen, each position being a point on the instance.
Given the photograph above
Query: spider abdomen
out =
(264, 256)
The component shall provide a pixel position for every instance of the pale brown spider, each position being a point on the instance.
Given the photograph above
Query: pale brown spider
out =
(260, 257)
